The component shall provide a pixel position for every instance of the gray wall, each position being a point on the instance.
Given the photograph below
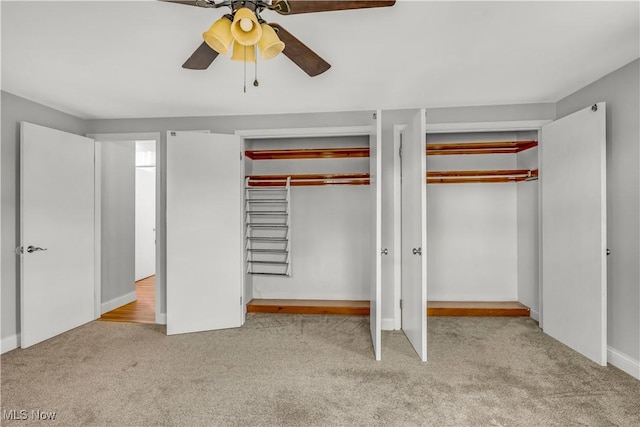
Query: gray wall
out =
(118, 229)
(15, 110)
(620, 91)
(492, 113)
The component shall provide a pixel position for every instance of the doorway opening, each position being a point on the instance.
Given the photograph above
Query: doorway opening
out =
(133, 193)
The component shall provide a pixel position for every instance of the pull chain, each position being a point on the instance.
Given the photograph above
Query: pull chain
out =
(255, 81)
(244, 50)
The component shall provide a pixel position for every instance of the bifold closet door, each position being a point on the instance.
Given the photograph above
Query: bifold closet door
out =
(375, 173)
(204, 232)
(574, 238)
(57, 232)
(414, 234)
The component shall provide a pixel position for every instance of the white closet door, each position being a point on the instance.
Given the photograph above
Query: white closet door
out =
(574, 267)
(414, 234)
(204, 232)
(57, 233)
(375, 171)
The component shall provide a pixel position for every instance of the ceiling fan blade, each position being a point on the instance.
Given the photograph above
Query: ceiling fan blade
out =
(199, 3)
(201, 58)
(309, 61)
(291, 7)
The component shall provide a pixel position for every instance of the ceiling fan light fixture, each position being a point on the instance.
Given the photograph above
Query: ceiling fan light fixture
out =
(219, 37)
(243, 53)
(269, 44)
(245, 28)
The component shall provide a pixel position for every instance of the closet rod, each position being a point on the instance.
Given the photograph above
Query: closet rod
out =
(446, 177)
(497, 172)
(481, 176)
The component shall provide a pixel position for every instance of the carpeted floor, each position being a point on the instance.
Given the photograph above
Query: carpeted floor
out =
(306, 370)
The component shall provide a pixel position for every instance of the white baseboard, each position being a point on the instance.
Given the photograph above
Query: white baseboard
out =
(118, 302)
(623, 362)
(388, 324)
(10, 343)
(161, 318)
(534, 315)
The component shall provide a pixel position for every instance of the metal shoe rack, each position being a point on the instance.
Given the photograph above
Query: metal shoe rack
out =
(267, 228)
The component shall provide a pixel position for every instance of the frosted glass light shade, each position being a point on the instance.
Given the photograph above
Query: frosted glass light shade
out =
(243, 53)
(270, 44)
(219, 37)
(245, 28)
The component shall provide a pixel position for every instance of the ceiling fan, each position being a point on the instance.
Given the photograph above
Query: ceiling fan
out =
(240, 26)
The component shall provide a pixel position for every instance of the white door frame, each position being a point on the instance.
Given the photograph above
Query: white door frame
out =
(161, 318)
(462, 127)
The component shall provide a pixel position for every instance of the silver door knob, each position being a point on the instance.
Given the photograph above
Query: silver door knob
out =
(417, 251)
(385, 251)
(32, 249)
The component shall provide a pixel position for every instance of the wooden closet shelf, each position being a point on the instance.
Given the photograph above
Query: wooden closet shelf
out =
(473, 308)
(309, 179)
(289, 306)
(497, 147)
(434, 308)
(481, 176)
(307, 153)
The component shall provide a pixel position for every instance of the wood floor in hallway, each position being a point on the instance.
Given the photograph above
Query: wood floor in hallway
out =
(143, 310)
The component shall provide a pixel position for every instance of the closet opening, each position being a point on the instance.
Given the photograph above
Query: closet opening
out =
(482, 224)
(308, 225)
(127, 209)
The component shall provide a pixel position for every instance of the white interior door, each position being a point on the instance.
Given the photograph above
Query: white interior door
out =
(375, 171)
(204, 232)
(57, 264)
(573, 197)
(414, 234)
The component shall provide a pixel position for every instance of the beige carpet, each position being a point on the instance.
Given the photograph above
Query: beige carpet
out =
(314, 370)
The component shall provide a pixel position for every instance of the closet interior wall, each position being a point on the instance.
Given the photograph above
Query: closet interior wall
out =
(482, 236)
(329, 224)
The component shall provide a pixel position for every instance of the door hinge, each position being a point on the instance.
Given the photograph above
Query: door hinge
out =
(400, 304)
(375, 116)
(240, 299)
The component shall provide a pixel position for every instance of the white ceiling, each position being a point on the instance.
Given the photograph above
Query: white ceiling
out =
(117, 59)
